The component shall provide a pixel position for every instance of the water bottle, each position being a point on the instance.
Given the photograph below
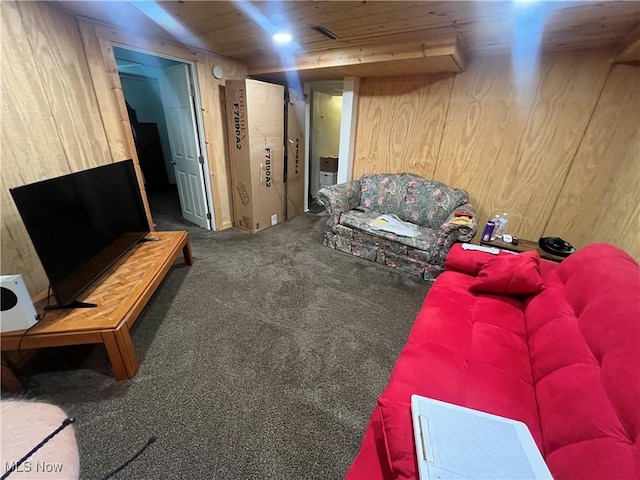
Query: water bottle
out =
(502, 225)
(496, 221)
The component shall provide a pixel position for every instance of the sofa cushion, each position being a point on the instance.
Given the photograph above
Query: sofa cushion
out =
(464, 349)
(360, 221)
(584, 338)
(412, 198)
(514, 274)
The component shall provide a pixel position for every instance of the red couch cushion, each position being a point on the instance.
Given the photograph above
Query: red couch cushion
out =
(584, 338)
(465, 349)
(515, 274)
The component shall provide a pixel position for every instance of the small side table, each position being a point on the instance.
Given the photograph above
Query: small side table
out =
(523, 246)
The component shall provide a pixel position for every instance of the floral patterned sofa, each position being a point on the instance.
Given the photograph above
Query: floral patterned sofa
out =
(429, 204)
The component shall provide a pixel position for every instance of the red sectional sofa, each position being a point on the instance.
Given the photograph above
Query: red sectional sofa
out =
(565, 361)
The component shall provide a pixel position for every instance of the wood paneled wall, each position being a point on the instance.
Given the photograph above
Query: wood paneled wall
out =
(600, 199)
(529, 145)
(50, 124)
(63, 111)
(400, 124)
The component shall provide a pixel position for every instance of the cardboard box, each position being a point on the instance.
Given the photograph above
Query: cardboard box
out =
(295, 153)
(256, 131)
(329, 164)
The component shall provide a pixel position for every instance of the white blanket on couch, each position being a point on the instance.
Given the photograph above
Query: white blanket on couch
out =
(391, 223)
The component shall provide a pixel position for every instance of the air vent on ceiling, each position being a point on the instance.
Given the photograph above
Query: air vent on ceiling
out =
(326, 32)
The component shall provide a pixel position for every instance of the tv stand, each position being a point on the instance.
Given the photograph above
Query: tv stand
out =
(120, 295)
(74, 304)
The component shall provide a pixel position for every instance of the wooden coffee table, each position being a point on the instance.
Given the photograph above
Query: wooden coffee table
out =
(523, 246)
(121, 294)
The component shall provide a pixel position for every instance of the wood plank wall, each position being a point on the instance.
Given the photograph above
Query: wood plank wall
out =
(557, 149)
(50, 121)
(600, 199)
(63, 111)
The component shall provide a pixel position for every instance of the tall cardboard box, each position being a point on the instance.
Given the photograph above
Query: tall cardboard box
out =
(255, 118)
(295, 153)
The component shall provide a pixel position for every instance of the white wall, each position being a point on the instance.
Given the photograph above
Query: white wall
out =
(143, 94)
(325, 138)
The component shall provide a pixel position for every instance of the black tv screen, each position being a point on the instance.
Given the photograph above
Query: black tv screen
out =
(81, 223)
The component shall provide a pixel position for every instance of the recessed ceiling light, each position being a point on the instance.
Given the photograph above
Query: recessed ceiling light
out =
(282, 37)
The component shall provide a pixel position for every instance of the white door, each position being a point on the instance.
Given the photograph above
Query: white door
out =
(175, 86)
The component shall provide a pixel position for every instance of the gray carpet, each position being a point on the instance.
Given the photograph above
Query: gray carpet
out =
(262, 360)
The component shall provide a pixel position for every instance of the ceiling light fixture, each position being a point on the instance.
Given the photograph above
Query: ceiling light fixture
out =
(282, 37)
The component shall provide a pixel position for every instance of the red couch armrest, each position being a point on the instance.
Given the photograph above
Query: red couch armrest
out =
(467, 261)
(372, 462)
(470, 262)
(397, 431)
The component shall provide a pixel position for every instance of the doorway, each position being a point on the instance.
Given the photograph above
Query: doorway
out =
(324, 137)
(162, 103)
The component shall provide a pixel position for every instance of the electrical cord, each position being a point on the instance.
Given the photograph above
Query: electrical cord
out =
(151, 440)
(40, 318)
(65, 423)
(5, 358)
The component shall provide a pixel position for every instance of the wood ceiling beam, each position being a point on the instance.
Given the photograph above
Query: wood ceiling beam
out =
(630, 48)
(353, 56)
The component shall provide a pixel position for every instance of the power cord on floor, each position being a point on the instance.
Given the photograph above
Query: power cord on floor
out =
(128, 462)
(67, 421)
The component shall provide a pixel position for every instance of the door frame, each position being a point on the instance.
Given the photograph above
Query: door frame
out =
(199, 120)
(308, 97)
(98, 39)
(348, 127)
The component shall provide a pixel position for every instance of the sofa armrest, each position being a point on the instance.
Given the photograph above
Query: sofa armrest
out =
(469, 262)
(338, 199)
(459, 233)
(343, 197)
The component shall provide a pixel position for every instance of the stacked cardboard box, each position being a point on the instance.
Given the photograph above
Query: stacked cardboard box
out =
(255, 120)
(295, 153)
(329, 164)
(328, 171)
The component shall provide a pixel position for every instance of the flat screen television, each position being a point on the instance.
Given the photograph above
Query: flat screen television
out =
(80, 224)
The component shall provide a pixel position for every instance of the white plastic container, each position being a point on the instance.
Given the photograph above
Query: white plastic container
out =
(328, 178)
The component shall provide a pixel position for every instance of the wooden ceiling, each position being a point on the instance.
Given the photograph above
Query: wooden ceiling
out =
(242, 29)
